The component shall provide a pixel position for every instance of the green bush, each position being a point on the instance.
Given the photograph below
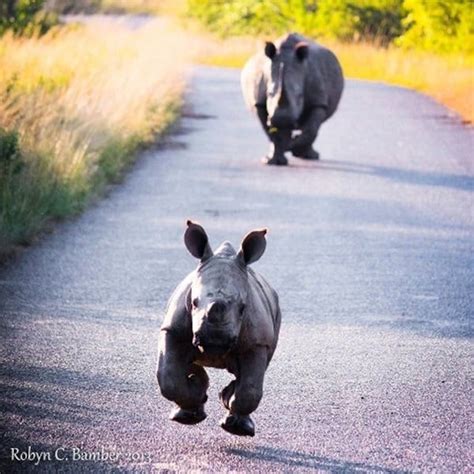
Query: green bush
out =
(434, 25)
(9, 153)
(342, 19)
(373, 20)
(439, 25)
(236, 17)
(25, 17)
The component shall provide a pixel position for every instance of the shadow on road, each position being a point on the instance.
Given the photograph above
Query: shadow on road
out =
(419, 178)
(59, 376)
(296, 459)
(44, 393)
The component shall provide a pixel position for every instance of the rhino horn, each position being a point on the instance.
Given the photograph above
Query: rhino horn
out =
(282, 99)
(196, 241)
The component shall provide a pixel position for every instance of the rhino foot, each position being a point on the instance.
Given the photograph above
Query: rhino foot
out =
(188, 417)
(275, 160)
(226, 393)
(306, 153)
(239, 425)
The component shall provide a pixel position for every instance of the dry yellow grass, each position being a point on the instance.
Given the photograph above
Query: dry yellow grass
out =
(81, 99)
(100, 81)
(143, 6)
(448, 79)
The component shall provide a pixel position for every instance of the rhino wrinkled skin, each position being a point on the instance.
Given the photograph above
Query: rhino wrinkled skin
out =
(293, 85)
(222, 315)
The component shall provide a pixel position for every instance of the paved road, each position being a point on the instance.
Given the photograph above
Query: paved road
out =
(370, 250)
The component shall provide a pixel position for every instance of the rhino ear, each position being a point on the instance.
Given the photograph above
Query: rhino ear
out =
(252, 246)
(196, 241)
(301, 50)
(270, 50)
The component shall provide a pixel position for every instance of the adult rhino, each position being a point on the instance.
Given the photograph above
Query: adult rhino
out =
(293, 85)
(222, 315)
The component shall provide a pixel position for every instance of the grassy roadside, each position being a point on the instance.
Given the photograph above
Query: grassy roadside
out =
(75, 106)
(448, 79)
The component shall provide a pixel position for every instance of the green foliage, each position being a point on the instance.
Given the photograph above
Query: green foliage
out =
(10, 162)
(343, 19)
(439, 25)
(9, 148)
(373, 20)
(236, 17)
(434, 25)
(25, 17)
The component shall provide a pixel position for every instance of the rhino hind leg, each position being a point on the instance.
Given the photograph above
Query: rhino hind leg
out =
(306, 153)
(240, 425)
(302, 145)
(242, 396)
(226, 394)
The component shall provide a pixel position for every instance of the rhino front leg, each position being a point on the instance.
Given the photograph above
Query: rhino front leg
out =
(181, 381)
(262, 115)
(247, 393)
(302, 145)
(279, 140)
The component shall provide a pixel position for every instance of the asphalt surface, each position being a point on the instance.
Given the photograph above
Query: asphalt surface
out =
(370, 250)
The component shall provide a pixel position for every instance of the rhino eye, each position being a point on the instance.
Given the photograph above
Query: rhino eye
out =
(195, 302)
(242, 308)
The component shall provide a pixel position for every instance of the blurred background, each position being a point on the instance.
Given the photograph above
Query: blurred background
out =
(86, 84)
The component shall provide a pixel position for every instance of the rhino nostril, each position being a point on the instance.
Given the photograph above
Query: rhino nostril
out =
(215, 311)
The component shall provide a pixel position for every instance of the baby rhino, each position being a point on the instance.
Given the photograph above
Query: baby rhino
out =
(293, 86)
(222, 315)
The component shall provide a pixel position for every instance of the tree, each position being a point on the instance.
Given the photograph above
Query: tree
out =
(439, 25)
(24, 16)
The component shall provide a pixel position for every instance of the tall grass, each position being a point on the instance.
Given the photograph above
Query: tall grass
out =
(447, 78)
(74, 106)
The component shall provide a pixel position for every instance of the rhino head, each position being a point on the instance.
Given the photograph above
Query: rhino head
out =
(285, 83)
(218, 295)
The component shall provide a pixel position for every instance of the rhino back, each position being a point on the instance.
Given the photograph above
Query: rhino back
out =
(252, 81)
(263, 318)
(324, 80)
(177, 319)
